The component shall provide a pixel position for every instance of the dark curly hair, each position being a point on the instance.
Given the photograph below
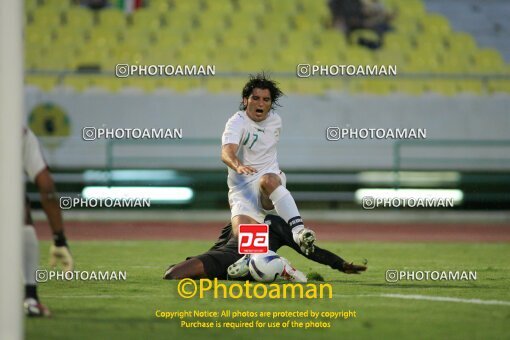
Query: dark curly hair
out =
(264, 82)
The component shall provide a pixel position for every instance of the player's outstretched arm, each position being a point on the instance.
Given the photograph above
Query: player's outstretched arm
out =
(228, 156)
(59, 251)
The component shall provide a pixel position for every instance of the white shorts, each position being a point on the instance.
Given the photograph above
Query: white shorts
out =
(245, 200)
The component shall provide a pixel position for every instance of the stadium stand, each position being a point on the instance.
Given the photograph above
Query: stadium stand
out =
(63, 38)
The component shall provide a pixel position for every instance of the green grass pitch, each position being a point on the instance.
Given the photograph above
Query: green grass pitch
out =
(126, 309)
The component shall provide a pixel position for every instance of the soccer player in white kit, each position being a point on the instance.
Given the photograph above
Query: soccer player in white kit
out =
(256, 183)
(37, 170)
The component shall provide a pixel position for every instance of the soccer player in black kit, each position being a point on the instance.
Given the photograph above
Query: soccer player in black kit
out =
(223, 254)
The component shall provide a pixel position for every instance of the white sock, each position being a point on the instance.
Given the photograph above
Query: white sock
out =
(30, 255)
(286, 207)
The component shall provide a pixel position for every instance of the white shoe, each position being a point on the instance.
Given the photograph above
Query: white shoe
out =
(239, 268)
(306, 238)
(292, 274)
(32, 307)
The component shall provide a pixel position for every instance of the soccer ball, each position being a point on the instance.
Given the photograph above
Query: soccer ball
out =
(266, 267)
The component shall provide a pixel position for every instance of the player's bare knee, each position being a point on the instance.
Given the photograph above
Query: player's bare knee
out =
(269, 182)
(238, 220)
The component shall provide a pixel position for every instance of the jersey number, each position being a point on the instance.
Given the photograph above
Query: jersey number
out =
(255, 137)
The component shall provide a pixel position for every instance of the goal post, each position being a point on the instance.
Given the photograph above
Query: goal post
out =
(11, 193)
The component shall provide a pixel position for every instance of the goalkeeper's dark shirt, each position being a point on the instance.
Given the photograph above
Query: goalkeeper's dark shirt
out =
(225, 251)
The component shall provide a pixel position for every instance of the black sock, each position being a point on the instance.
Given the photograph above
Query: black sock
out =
(295, 221)
(31, 292)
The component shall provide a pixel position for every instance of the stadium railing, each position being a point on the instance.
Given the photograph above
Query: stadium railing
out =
(455, 156)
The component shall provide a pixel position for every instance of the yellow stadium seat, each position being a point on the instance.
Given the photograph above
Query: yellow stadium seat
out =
(57, 4)
(293, 55)
(304, 23)
(372, 86)
(145, 19)
(169, 40)
(112, 18)
(56, 63)
(109, 83)
(410, 86)
(488, 60)
(80, 82)
(274, 42)
(223, 85)
(470, 86)
(180, 22)
(435, 24)
(211, 27)
(179, 84)
(43, 82)
(35, 37)
(157, 7)
(432, 43)
(296, 41)
(45, 17)
(397, 42)
(312, 86)
(276, 22)
(215, 7)
(252, 7)
(410, 8)
(31, 5)
(101, 37)
(460, 42)
(78, 17)
(186, 7)
(236, 39)
(91, 57)
(453, 63)
(405, 25)
(499, 86)
(360, 56)
(289, 85)
(312, 7)
(363, 33)
(200, 40)
(137, 39)
(157, 57)
(146, 84)
(197, 55)
(65, 39)
(442, 86)
(284, 7)
(35, 57)
(326, 55)
(281, 65)
(332, 39)
(425, 61)
(390, 57)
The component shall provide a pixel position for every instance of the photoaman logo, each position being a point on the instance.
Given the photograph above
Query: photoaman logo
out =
(253, 239)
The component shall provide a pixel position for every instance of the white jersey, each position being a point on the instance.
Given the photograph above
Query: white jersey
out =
(257, 145)
(33, 160)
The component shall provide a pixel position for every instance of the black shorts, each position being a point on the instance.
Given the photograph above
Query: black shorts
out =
(225, 251)
(216, 261)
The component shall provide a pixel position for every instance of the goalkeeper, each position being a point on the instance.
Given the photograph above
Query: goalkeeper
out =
(37, 170)
(223, 258)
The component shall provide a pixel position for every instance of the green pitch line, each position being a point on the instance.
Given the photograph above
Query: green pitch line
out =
(405, 309)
